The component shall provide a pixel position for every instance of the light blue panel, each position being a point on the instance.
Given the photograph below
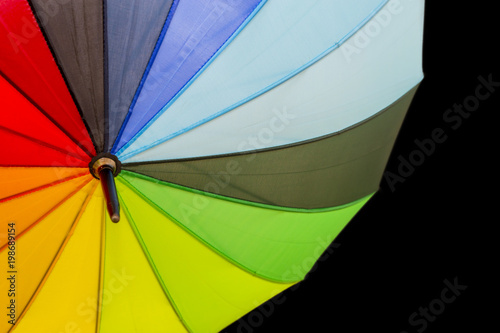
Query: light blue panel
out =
(367, 73)
(285, 37)
(196, 31)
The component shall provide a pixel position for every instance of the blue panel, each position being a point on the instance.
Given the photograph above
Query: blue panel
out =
(198, 29)
(284, 38)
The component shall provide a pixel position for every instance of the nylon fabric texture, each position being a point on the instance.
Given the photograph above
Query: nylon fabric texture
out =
(342, 89)
(269, 44)
(321, 173)
(196, 32)
(132, 32)
(170, 166)
(75, 32)
(28, 129)
(27, 62)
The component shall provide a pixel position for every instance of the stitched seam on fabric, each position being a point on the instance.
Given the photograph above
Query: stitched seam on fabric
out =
(56, 258)
(202, 240)
(281, 147)
(40, 188)
(148, 255)
(247, 99)
(59, 102)
(196, 75)
(43, 144)
(151, 61)
(243, 202)
(48, 212)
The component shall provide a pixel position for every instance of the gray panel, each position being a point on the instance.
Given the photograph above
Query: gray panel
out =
(75, 33)
(326, 172)
(133, 28)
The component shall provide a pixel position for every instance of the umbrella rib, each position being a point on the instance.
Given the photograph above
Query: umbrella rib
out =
(236, 104)
(100, 290)
(66, 81)
(123, 59)
(42, 187)
(42, 77)
(280, 147)
(152, 101)
(243, 190)
(234, 200)
(200, 239)
(58, 254)
(152, 263)
(145, 75)
(51, 119)
(94, 103)
(144, 127)
(41, 143)
(48, 212)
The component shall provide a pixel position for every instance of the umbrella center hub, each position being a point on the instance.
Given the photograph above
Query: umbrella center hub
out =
(104, 160)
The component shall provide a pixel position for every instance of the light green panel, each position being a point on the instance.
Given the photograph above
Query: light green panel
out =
(266, 241)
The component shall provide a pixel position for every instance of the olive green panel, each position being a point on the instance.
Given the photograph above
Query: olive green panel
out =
(325, 172)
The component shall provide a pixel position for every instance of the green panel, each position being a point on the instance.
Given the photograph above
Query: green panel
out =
(265, 240)
(206, 291)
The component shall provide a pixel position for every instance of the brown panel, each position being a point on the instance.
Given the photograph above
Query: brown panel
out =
(325, 172)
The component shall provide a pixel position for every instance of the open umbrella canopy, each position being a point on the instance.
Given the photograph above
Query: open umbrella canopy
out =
(165, 164)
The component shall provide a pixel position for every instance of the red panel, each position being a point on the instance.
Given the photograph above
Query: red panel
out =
(19, 115)
(26, 60)
(18, 150)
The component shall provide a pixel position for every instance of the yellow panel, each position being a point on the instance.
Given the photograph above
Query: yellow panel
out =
(207, 291)
(37, 250)
(30, 208)
(68, 300)
(14, 180)
(133, 299)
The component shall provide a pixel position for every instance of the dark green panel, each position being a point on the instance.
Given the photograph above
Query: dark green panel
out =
(75, 33)
(326, 172)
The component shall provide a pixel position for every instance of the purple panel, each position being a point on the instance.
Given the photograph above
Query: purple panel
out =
(199, 28)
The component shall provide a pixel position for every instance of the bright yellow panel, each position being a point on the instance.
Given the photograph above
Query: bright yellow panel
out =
(133, 299)
(67, 302)
(36, 252)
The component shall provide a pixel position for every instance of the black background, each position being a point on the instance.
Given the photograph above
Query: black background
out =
(438, 224)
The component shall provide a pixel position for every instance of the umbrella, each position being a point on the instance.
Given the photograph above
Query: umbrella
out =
(171, 165)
